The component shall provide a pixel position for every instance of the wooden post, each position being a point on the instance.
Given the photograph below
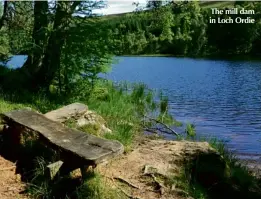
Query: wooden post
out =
(86, 169)
(84, 172)
(53, 169)
(16, 135)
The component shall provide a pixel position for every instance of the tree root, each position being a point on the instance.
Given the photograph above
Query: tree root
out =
(128, 195)
(126, 182)
(160, 186)
(121, 189)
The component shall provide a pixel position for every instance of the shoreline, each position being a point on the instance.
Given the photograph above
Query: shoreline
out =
(210, 57)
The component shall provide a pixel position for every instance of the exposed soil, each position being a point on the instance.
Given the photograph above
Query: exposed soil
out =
(143, 173)
(11, 186)
(139, 174)
(165, 158)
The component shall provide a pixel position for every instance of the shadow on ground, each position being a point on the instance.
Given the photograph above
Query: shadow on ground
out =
(31, 159)
(222, 180)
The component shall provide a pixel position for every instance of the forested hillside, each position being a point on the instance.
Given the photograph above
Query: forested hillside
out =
(180, 29)
(183, 29)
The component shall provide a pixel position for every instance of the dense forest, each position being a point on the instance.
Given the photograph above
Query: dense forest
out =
(183, 29)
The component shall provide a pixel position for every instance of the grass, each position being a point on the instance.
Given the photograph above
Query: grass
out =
(96, 187)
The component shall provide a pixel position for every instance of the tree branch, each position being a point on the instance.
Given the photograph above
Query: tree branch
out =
(163, 124)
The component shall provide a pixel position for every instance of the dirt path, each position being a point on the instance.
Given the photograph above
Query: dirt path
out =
(10, 183)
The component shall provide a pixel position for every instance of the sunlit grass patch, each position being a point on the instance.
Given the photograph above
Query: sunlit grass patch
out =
(96, 187)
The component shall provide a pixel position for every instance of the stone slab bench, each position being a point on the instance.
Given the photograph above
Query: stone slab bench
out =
(78, 149)
(64, 113)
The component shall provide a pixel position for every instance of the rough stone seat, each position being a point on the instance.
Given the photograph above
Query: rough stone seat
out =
(78, 148)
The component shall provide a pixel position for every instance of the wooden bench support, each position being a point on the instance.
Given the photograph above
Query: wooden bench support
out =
(84, 172)
(53, 169)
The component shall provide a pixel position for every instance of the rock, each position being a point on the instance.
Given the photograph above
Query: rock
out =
(74, 110)
(87, 120)
(91, 119)
(149, 169)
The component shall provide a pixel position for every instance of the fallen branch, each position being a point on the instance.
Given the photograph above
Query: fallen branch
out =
(126, 182)
(128, 195)
(121, 189)
(165, 125)
(154, 130)
(159, 184)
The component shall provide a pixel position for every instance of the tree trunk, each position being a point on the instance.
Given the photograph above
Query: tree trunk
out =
(52, 54)
(39, 37)
(4, 16)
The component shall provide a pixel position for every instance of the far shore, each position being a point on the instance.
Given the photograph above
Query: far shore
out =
(208, 57)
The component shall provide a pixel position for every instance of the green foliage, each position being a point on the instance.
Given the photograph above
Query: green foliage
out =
(19, 26)
(91, 129)
(4, 45)
(95, 188)
(190, 131)
(235, 38)
(184, 29)
(124, 109)
(182, 182)
(83, 59)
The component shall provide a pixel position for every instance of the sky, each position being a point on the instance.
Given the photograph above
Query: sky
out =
(120, 6)
(117, 6)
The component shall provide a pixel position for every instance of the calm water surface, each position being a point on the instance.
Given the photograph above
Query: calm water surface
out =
(222, 98)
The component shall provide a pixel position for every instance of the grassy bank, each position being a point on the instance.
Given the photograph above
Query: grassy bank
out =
(123, 107)
(237, 181)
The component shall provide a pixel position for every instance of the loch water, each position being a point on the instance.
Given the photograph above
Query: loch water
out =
(222, 98)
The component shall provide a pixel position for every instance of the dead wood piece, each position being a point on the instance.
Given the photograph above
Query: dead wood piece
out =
(128, 195)
(163, 124)
(159, 184)
(121, 189)
(126, 182)
(151, 171)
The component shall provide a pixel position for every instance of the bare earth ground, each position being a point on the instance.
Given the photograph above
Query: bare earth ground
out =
(10, 183)
(127, 173)
(141, 174)
(164, 158)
